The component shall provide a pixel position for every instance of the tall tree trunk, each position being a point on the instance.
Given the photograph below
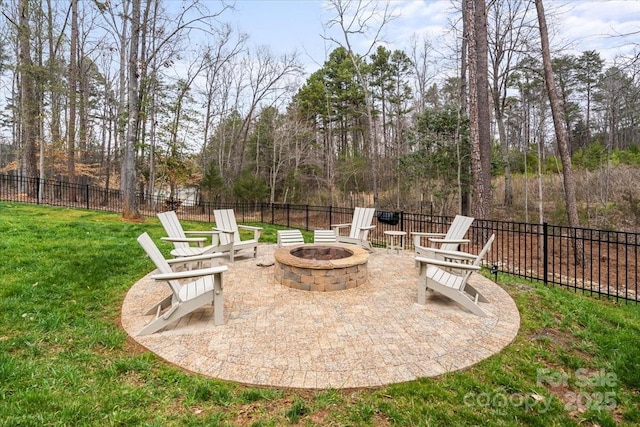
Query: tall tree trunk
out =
(130, 204)
(560, 130)
(479, 109)
(504, 151)
(28, 103)
(464, 194)
(54, 80)
(121, 113)
(40, 85)
(73, 83)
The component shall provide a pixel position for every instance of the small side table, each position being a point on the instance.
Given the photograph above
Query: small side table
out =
(395, 240)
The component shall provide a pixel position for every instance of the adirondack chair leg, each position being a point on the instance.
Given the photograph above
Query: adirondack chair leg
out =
(450, 278)
(218, 301)
(472, 307)
(459, 297)
(160, 306)
(474, 293)
(422, 291)
(154, 326)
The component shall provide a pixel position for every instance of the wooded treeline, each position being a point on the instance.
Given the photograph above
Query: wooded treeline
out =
(151, 95)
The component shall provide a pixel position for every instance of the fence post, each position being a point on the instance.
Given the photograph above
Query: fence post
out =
(86, 192)
(402, 222)
(330, 216)
(288, 216)
(306, 220)
(545, 253)
(262, 212)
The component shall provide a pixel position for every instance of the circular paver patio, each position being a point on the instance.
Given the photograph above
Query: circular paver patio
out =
(368, 336)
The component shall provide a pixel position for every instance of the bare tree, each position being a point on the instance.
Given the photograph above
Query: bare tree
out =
(562, 137)
(219, 57)
(421, 49)
(509, 33)
(362, 18)
(54, 74)
(556, 112)
(267, 80)
(190, 18)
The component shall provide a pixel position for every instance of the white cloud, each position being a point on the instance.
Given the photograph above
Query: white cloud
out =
(605, 26)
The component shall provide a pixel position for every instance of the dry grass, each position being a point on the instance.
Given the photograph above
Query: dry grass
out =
(606, 199)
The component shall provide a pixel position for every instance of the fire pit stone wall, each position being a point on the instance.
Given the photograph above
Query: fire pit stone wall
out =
(321, 275)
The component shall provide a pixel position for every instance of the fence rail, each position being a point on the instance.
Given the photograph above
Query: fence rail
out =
(598, 262)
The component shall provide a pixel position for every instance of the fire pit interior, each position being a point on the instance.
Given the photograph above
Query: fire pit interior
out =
(323, 253)
(321, 268)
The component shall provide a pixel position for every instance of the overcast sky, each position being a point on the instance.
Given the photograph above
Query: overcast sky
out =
(287, 25)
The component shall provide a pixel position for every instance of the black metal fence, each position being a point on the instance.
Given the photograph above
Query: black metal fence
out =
(597, 262)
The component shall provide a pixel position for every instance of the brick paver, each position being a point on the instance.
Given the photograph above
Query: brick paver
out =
(368, 336)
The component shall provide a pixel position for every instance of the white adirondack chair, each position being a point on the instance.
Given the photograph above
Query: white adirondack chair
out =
(324, 236)
(358, 229)
(449, 277)
(184, 299)
(230, 235)
(183, 244)
(290, 238)
(449, 241)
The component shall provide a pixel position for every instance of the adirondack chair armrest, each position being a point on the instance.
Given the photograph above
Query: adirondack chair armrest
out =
(213, 234)
(230, 234)
(204, 232)
(462, 256)
(337, 227)
(427, 234)
(370, 227)
(250, 227)
(340, 225)
(458, 241)
(256, 230)
(192, 258)
(447, 264)
(184, 239)
(222, 230)
(190, 273)
(419, 235)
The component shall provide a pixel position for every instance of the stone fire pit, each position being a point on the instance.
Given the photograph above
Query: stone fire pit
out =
(321, 268)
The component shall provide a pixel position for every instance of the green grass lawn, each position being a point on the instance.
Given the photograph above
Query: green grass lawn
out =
(65, 360)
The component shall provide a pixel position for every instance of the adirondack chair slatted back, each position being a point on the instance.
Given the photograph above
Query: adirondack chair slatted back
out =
(226, 220)
(324, 236)
(362, 217)
(158, 259)
(172, 226)
(457, 230)
(289, 237)
(485, 250)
